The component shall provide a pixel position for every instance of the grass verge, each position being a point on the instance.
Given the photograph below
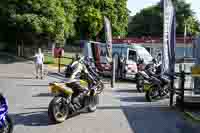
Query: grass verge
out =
(49, 59)
(192, 117)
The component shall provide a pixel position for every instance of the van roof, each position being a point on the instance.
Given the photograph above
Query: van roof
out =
(129, 45)
(124, 45)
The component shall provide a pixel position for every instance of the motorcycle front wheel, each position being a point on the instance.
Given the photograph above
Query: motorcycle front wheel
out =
(58, 109)
(152, 94)
(100, 88)
(140, 84)
(93, 103)
(9, 125)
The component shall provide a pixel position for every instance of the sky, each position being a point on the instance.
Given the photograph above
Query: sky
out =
(136, 5)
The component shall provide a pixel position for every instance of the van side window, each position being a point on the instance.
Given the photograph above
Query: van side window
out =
(132, 55)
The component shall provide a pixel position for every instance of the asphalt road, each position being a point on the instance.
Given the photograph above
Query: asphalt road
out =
(29, 98)
(155, 117)
(121, 110)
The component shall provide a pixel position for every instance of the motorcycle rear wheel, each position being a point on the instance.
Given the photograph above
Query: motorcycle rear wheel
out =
(9, 125)
(58, 111)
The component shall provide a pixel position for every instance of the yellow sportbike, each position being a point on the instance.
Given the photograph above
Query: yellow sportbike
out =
(67, 101)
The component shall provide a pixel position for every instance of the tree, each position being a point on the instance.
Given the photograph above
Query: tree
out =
(91, 13)
(192, 26)
(56, 20)
(42, 19)
(3, 19)
(121, 24)
(149, 22)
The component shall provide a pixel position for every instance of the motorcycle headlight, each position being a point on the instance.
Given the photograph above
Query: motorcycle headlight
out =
(52, 88)
(54, 91)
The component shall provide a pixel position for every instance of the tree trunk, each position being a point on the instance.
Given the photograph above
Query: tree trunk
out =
(53, 47)
(19, 50)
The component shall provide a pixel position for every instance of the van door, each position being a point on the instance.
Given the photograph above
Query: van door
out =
(131, 66)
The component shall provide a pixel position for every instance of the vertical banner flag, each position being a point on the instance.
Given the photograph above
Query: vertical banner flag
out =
(108, 36)
(169, 37)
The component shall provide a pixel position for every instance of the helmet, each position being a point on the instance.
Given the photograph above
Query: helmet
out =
(140, 60)
(87, 60)
(1, 95)
(78, 57)
(154, 60)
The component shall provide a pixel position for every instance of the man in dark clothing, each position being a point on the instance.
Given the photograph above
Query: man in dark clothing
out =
(121, 66)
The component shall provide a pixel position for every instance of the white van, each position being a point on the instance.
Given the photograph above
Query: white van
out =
(131, 53)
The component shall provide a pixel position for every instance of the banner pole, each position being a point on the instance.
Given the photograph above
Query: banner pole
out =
(113, 74)
(59, 64)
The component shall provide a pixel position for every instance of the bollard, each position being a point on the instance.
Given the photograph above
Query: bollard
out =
(182, 89)
(59, 64)
(113, 74)
(172, 91)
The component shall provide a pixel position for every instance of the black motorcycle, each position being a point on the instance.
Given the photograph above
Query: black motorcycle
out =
(157, 87)
(143, 74)
(153, 83)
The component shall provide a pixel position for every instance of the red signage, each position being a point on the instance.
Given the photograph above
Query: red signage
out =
(149, 40)
(58, 52)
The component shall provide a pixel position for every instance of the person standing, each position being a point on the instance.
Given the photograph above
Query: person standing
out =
(123, 62)
(39, 63)
(121, 67)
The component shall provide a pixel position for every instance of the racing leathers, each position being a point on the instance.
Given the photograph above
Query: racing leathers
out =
(80, 68)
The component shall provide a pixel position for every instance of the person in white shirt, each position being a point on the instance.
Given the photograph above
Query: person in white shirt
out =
(39, 60)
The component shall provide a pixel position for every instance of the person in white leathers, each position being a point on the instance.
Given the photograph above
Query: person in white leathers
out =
(39, 63)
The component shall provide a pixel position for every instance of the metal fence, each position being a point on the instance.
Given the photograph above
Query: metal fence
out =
(185, 85)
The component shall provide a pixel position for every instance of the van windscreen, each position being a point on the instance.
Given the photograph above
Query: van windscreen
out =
(143, 53)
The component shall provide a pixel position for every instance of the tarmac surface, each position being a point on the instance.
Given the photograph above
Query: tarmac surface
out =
(121, 109)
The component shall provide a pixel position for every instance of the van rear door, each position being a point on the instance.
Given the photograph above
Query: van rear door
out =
(131, 66)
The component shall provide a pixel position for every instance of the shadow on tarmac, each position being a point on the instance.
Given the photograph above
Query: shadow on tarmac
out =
(133, 99)
(35, 108)
(126, 91)
(43, 95)
(56, 75)
(157, 119)
(38, 118)
(7, 58)
(13, 77)
(46, 85)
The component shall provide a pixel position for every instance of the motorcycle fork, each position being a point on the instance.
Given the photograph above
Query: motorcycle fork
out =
(3, 122)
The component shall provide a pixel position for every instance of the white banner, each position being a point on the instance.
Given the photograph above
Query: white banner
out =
(108, 36)
(169, 37)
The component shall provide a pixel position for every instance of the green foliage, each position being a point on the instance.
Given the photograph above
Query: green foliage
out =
(52, 19)
(90, 17)
(49, 59)
(56, 20)
(192, 26)
(149, 22)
